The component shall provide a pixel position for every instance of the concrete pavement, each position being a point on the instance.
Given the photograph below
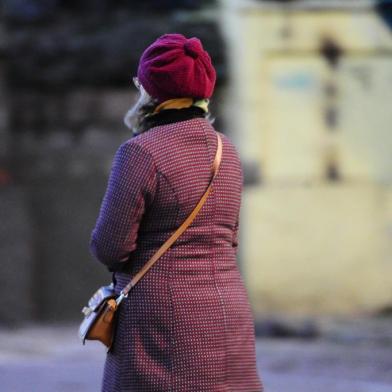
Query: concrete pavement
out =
(50, 358)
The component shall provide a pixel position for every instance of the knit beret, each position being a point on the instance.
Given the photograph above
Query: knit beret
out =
(174, 67)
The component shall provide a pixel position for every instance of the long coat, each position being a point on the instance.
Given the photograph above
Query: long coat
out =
(187, 325)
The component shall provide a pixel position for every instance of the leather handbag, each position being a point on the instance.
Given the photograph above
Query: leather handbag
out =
(100, 313)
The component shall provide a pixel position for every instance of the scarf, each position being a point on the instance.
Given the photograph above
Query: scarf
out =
(181, 103)
(173, 110)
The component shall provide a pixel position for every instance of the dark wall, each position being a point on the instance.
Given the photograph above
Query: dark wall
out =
(67, 68)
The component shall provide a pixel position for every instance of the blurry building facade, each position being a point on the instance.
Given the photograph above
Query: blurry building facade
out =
(310, 111)
(304, 91)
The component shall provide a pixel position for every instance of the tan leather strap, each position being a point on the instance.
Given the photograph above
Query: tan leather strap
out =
(181, 229)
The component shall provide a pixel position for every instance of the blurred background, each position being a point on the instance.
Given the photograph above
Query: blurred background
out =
(304, 90)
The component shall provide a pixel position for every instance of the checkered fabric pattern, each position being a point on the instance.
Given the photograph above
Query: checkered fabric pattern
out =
(187, 325)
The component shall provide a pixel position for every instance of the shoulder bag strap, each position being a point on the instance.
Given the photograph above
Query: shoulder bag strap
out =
(179, 231)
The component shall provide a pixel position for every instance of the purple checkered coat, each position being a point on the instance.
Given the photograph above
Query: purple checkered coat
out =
(187, 325)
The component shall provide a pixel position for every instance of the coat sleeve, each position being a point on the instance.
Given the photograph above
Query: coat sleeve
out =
(130, 190)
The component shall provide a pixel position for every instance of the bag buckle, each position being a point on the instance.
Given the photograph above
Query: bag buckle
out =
(121, 297)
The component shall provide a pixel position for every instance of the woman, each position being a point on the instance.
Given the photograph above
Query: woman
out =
(187, 325)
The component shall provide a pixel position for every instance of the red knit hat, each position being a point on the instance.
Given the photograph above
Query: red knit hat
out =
(176, 67)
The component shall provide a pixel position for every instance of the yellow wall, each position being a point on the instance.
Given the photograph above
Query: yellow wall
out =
(322, 249)
(309, 244)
